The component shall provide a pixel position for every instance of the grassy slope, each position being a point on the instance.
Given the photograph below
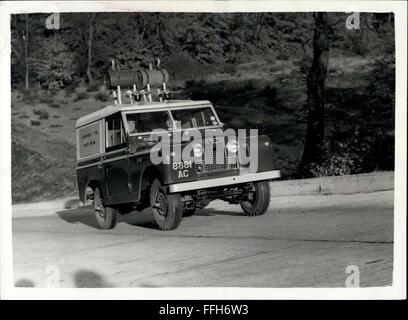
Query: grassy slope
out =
(260, 93)
(43, 156)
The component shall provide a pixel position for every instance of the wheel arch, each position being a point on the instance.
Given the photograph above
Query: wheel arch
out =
(148, 175)
(92, 184)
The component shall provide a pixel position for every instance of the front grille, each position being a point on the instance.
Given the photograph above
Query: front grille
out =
(215, 159)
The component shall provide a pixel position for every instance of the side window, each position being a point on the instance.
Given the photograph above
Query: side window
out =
(146, 122)
(194, 118)
(115, 134)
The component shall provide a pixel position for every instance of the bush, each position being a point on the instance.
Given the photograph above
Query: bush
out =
(29, 95)
(81, 96)
(336, 165)
(46, 99)
(69, 89)
(343, 160)
(93, 87)
(54, 105)
(102, 96)
(283, 56)
(229, 68)
(35, 123)
(42, 114)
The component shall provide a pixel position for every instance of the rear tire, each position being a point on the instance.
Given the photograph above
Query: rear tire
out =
(106, 217)
(258, 201)
(167, 209)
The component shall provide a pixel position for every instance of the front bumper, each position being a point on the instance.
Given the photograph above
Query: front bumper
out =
(225, 181)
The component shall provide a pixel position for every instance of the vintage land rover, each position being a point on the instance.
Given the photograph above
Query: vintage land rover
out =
(115, 170)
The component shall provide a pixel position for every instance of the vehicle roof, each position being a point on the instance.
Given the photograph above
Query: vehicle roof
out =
(146, 106)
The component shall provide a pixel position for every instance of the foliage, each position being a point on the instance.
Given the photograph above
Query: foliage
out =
(52, 65)
(60, 56)
(102, 96)
(54, 105)
(42, 114)
(29, 95)
(342, 161)
(81, 96)
(46, 98)
(92, 87)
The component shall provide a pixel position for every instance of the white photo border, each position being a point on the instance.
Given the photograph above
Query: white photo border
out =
(396, 291)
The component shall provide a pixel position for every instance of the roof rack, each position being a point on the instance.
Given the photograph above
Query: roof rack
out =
(140, 85)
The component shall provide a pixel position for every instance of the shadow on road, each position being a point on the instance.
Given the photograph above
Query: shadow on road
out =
(80, 215)
(90, 279)
(143, 219)
(72, 204)
(214, 212)
(24, 283)
(85, 215)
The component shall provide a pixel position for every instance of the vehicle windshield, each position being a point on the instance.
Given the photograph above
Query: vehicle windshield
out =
(145, 122)
(194, 118)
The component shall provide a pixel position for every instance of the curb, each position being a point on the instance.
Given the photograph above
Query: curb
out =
(359, 183)
(44, 208)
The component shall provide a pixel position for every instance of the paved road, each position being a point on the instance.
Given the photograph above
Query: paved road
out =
(302, 241)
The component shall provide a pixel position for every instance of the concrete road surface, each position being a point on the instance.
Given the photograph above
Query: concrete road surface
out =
(302, 241)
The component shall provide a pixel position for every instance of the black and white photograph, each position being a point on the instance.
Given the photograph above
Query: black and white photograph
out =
(224, 146)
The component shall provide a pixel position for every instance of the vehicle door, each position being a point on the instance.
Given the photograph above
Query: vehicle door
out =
(115, 164)
(140, 126)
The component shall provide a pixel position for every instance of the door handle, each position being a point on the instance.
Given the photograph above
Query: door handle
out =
(100, 164)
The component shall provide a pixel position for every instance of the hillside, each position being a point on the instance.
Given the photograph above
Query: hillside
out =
(43, 144)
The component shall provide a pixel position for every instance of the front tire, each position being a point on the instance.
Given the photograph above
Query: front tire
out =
(167, 209)
(257, 201)
(106, 217)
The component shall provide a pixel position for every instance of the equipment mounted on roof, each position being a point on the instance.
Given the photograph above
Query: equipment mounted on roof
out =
(140, 83)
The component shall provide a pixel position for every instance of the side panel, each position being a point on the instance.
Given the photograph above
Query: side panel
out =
(266, 159)
(116, 175)
(141, 161)
(137, 164)
(90, 141)
(88, 174)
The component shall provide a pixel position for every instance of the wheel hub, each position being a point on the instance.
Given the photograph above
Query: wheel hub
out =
(161, 204)
(250, 199)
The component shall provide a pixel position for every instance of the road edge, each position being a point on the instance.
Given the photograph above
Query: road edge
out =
(350, 184)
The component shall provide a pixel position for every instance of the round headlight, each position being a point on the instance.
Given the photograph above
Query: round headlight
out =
(198, 150)
(232, 146)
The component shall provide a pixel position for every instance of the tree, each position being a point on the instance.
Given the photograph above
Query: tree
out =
(20, 47)
(27, 66)
(91, 19)
(315, 91)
